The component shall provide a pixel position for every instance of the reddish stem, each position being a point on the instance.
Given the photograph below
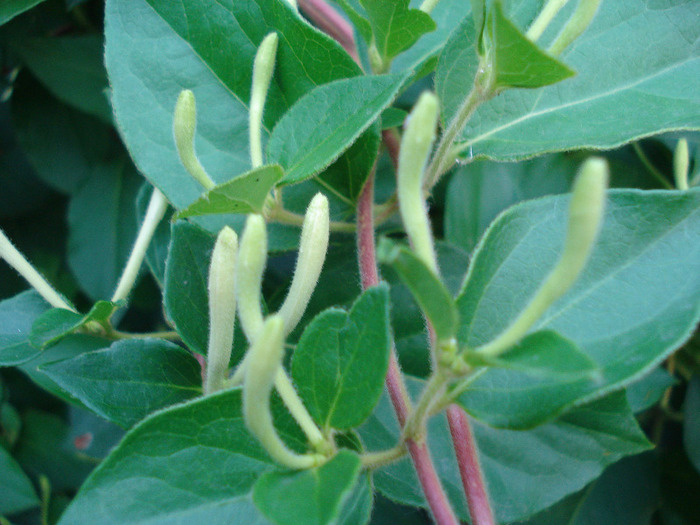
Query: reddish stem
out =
(469, 468)
(434, 493)
(391, 142)
(329, 21)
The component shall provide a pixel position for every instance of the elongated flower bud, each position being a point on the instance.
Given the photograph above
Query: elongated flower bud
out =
(681, 161)
(415, 148)
(263, 66)
(312, 254)
(222, 308)
(577, 24)
(184, 124)
(549, 11)
(265, 358)
(252, 257)
(585, 217)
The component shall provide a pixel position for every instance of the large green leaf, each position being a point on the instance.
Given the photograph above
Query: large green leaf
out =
(155, 48)
(17, 491)
(341, 360)
(102, 222)
(16, 318)
(325, 122)
(637, 299)
(308, 497)
(622, 90)
(186, 297)
(244, 194)
(11, 8)
(72, 68)
(627, 492)
(395, 26)
(130, 379)
(193, 463)
(573, 450)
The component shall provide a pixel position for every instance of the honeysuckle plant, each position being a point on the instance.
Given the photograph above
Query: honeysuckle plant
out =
(370, 261)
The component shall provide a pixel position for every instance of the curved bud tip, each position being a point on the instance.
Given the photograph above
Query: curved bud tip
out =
(228, 238)
(318, 209)
(185, 118)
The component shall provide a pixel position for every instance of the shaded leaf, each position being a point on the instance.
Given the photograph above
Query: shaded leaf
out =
(307, 497)
(17, 491)
(691, 426)
(11, 8)
(130, 379)
(56, 323)
(16, 318)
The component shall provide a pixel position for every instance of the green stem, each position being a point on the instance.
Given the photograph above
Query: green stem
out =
(374, 460)
(282, 216)
(166, 334)
(155, 212)
(549, 11)
(444, 156)
(15, 259)
(650, 167)
(415, 425)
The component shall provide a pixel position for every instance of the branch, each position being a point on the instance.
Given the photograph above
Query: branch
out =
(469, 468)
(434, 493)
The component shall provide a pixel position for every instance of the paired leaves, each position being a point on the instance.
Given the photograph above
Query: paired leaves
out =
(341, 360)
(56, 323)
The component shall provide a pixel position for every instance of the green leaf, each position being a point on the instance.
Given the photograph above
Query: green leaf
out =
(395, 26)
(635, 302)
(63, 145)
(393, 118)
(422, 57)
(102, 222)
(11, 8)
(573, 450)
(358, 506)
(691, 423)
(56, 323)
(427, 289)
(627, 492)
(646, 392)
(307, 497)
(17, 491)
(155, 48)
(341, 360)
(515, 61)
(47, 448)
(130, 379)
(72, 68)
(194, 462)
(16, 318)
(186, 297)
(70, 346)
(622, 91)
(545, 354)
(244, 194)
(360, 22)
(325, 122)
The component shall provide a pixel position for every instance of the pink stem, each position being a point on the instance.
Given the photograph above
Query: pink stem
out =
(469, 468)
(434, 493)
(329, 21)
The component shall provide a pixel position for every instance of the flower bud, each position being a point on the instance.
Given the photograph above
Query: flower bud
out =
(415, 149)
(681, 161)
(252, 257)
(577, 24)
(263, 67)
(184, 124)
(312, 254)
(222, 308)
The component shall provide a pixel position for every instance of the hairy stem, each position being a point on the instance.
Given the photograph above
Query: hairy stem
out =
(434, 493)
(469, 467)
